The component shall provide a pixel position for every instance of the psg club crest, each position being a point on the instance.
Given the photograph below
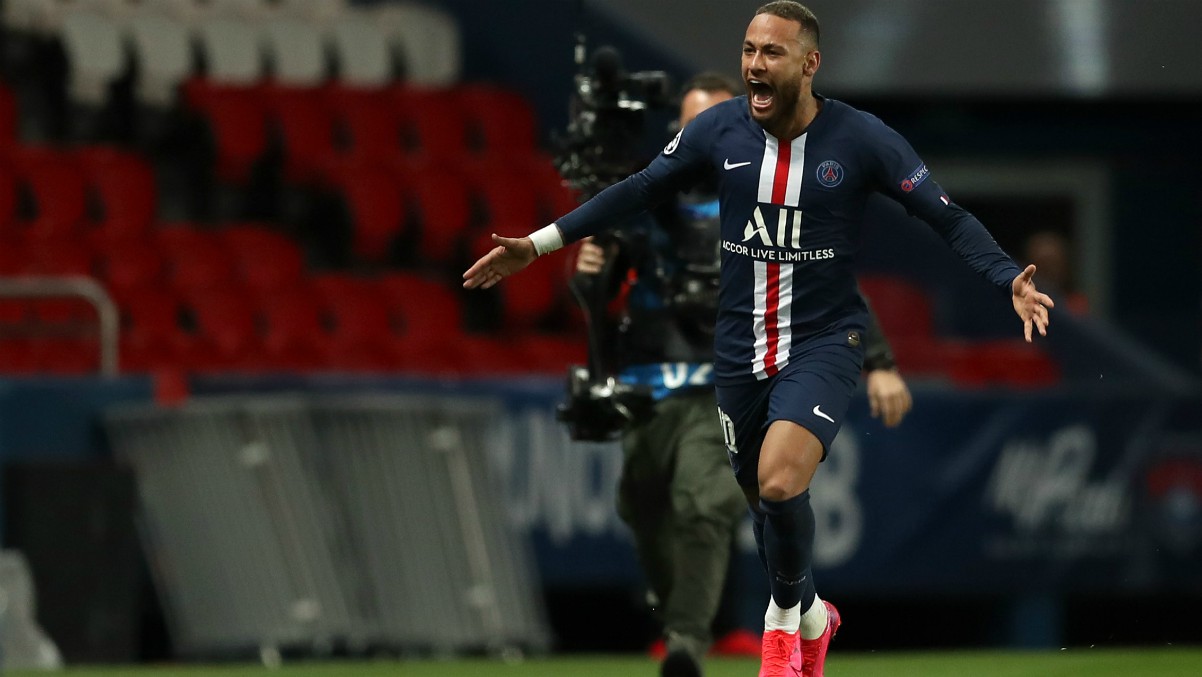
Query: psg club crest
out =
(830, 173)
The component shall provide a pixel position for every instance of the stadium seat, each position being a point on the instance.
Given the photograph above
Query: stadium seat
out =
(421, 306)
(54, 185)
(237, 120)
(506, 198)
(436, 129)
(122, 196)
(377, 210)
(361, 333)
(1002, 362)
(305, 129)
(902, 307)
(197, 262)
(8, 199)
(441, 203)
(294, 337)
(226, 337)
(427, 40)
(95, 51)
(231, 48)
(151, 334)
(162, 55)
(361, 50)
(266, 261)
(17, 356)
(294, 46)
(368, 130)
(67, 356)
(500, 122)
(129, 264)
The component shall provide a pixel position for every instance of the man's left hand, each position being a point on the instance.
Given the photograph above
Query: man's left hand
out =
(1031, 305)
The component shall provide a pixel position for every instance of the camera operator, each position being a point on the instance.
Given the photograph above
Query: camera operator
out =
(676, 492)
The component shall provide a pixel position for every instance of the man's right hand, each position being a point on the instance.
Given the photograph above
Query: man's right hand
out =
(591, 257)
(509, 256)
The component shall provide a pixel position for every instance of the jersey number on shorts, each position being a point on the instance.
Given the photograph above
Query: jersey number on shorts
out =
(728, 431)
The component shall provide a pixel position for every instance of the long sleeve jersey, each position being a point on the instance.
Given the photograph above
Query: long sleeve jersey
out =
(790, 213)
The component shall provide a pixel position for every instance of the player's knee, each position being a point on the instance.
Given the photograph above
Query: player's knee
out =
(778, 487)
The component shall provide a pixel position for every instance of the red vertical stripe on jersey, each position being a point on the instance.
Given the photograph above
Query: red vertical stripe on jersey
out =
(772, 303)
(771, 312)
(781, 180)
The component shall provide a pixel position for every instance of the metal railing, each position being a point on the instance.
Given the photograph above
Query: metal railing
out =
(41, 287)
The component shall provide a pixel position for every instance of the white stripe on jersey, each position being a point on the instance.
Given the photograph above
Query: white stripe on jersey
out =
(772, 313)
(784, 315)
(767, 169)
(759, 328)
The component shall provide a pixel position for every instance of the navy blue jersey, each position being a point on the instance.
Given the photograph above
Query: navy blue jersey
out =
(790, 217)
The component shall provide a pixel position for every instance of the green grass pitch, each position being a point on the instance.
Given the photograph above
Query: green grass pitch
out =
(1166, 662)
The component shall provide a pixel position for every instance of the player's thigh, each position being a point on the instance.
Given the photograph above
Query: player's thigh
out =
(815, 393)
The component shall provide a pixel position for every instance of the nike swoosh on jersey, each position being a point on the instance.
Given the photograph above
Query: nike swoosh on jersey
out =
(734, 165)
(818, 412)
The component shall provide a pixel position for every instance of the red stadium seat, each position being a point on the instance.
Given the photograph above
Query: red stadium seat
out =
(362, 337)
(903, 308)
(17, 357)
(420, 306)
(121, 190)
(196, 260)
(55, 186)
(366, 124)
(500, 122)
(302, 121)
(377, 209)
(1002, 362)
(129, 264)
(440, 198)
(434, 125)
(8, 199)
(237, 119)
(67, 356)
(294, 336)
(507, 195)
(151, 336)
(226, 334)
(266, 261)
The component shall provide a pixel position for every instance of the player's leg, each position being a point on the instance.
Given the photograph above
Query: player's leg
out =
(808, 402)
(789, 457)
(707, 506)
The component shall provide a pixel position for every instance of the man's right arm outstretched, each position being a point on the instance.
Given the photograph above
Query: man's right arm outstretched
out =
(681, 163)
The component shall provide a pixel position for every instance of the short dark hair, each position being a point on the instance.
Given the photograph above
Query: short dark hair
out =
(793, 11)
(711, 81)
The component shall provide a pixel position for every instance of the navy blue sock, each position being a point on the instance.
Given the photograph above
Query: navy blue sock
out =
(757, 527)
(789, 549)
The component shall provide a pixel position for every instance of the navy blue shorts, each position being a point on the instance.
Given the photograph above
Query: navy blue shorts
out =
(813, 390)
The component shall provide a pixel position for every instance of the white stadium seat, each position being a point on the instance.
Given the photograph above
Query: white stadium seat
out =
(95, 55)
(427, 40)
(232, 50)
(163, 53)
(361, 48)
(296, 50)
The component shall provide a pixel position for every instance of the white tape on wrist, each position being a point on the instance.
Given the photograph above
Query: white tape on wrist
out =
(547, 239)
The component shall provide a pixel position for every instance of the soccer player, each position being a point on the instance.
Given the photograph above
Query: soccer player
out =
(676, 492)
(794, 172)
